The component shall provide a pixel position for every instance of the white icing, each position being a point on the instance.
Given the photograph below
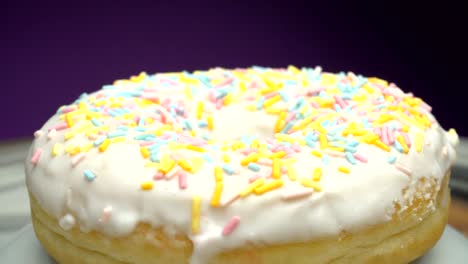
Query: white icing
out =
(348, 201)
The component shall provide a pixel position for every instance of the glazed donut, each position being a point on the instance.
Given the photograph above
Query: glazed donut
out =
(256, 165)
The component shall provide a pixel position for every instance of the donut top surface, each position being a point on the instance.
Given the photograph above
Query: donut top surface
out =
(235, 156)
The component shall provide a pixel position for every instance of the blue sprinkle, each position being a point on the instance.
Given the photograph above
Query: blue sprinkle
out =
(287, 127)
(122, 127)
(140, 129)
(353, 143)
(207, 157)
(117, 133)
(253, 167)
(108, 86)
(202, 124)
(391, 159)
(99, 141)
(350, 158)
(309, 142)
(228, 169)
(326, 160)
(245, 139)
(187, 124)
(141, 122)
(284, 96)
(260, 103)
(206, 137)
(348, 148)
(96, 122)
(155, 158)
(398, 146)
(89, 175)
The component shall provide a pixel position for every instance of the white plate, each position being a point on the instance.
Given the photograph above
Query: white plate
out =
(25, 249)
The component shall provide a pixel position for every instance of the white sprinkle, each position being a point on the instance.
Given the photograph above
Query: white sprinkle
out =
(38, 133)
(289, 196)
(52, 133)
(67, 222)
(403, 169)
(77, 159)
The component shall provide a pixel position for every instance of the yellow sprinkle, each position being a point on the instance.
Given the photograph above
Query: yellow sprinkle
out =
(259, 182)
(218, 172)
(311, 184)
(175, 145)
(197, 163)
(403, 144)
(338, 149)
(69, 135)
(147, 186)
(217, 194)
(344, 169)
(289, 139)
(184, 165)
(405, 128)
(209, 120)
(167, 166)
(418, 142)
(200, 107)
(287, 162)
(188, 92)
(118, 139)
(104, 145)
(195, 148)
(252, 157)
(242, 86)
(407, 119)
(69, 121)
(86, 147)
(268, 187)
(381, 145)
(238, 145)
(294, 70)
(255, 143)
(278, 155)
(226, 158)
(280, 122)
(272, 101)
(276, 172)
(323, 141)
(196, 204)
(316, 153)
(150, 164)
(292, 173)
(57, 149)
(228, 99)
(378, 81)
(317, 175)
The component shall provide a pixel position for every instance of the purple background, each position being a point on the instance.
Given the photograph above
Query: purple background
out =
(51, 53)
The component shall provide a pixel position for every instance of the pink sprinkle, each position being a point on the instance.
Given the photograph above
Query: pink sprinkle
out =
(270, 95)
(225, 82)
(340, 101)
(407, 139)
(146, 143)
(38, 133)
(266, 162)
(296, 195)
(290, 117)
(314, 104)
(384, 135)
(59, 127)
(182, 180)
(247, 151)
(77, 159)
(36, 156)
(360, 157)
(335, 154)
(288, 156)
(403, 169)
(100, 95)
(254, 178)
(313, 91)
(390, 135)
(425, 106)
(158, 176)
(378, 131)
(69, 109)
(52, 133)
(151, 98)
(230, 200)
(296, 147)
(211, 97)
(231, 225)
(219, 104)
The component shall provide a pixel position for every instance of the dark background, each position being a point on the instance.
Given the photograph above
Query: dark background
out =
(53, 52)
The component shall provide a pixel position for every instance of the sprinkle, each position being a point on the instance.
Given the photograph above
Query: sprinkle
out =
(231, 225)
(36, 156)
(402, 142)
(118, 133)
(344, 169)
(167, 166)
(360, 158)
(228, 169)
(209, 121)
(291, 173)
(38, 133)
(269, 187)
(311, 184)
(276, 171)
(69, 135)
(52, 133)
(254, 167)
(403, 169)
(78, 159)
(99, 140)
(316, 153)
(195, 148)
(259, 182)
(217, 194)
(182, 180)
(252, 157)
(317, 175)
(57, 149)
(185, 165)
(196, 207)
(96, 122)
(323, 141)
(391, 159)
(104, 145)
(326, 159)
(290, 196)
(146, 186)
(89, 175)
(350, 158)
(145, 153)
(199, 113)
(419, 142)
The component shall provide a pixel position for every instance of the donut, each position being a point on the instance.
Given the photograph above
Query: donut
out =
(245, 165)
